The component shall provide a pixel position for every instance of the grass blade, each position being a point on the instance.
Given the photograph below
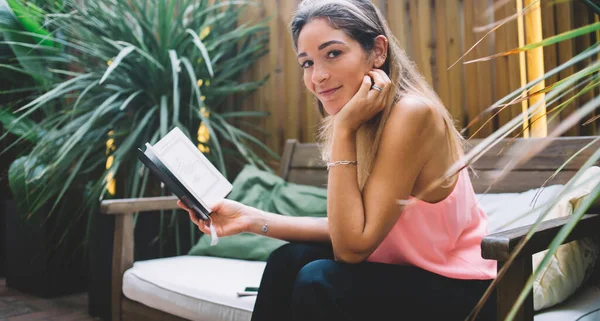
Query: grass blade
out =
(122, 54)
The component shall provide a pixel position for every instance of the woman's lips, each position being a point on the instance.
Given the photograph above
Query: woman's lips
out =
(329, 92)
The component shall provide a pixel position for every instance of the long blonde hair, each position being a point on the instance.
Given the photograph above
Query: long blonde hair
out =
(362, 21)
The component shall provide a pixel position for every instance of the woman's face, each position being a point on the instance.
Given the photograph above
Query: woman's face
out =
(334, 64)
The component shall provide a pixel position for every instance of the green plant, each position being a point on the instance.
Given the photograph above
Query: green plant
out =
(18, 85)
(582, 81)
(121, 73)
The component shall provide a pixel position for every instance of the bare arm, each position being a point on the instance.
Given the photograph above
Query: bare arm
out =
(231, 217)
(358, 223)
(289, 228)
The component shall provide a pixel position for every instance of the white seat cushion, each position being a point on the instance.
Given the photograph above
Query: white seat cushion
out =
(195, 287)
(510, 210)
(584, 305)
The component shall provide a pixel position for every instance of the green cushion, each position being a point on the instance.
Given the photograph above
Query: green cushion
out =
(268, 192)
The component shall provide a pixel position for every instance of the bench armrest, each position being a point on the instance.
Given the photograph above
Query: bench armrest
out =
(498, 246)
(123, 210)
(133, 205)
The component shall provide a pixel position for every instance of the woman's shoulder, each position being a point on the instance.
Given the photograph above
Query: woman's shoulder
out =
(416, 123)
(414, 103)
(417, 112)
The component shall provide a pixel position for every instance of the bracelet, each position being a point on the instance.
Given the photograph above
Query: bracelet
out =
(329, 165)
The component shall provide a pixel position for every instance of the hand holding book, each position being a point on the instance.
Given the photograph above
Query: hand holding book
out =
(228, 218)
(186, 172)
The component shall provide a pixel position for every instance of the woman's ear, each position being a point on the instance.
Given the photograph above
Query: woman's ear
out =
(380, 50)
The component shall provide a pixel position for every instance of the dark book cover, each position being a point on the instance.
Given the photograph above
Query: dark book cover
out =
(172, 183)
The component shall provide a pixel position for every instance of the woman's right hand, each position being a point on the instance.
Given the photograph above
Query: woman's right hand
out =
(228, 217)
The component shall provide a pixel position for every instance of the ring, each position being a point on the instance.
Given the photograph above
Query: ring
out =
(377, 88)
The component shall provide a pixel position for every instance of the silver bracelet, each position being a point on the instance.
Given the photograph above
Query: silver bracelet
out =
(329, 165)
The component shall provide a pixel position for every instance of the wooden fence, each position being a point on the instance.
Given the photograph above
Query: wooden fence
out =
(435, 33)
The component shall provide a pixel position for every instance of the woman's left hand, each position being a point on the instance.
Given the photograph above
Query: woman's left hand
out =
(366, 103)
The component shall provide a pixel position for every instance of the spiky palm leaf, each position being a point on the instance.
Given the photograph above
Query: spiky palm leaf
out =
(128, 71)
(579, 83)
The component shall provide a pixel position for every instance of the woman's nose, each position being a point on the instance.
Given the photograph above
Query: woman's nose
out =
(319, 75)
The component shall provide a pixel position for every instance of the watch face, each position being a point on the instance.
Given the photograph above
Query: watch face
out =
(264, 228)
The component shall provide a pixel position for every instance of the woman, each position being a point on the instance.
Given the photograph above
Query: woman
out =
(395, 243)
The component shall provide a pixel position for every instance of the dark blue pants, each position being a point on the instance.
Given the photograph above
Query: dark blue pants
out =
(302, 282)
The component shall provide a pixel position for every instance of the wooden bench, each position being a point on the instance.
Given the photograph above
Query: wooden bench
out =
(301, 164)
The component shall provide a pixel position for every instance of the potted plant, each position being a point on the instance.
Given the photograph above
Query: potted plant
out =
(126, 72)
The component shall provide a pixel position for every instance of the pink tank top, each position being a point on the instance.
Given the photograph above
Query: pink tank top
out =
(443, 238)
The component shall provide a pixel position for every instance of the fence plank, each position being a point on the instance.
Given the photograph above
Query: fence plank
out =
(472, 86)
(398, 20)
(440, 73)
(292, 89)
(257, 101)
(420, 17)
(501, 79)
(583, 16)
(454, 47)
(485, 88)
(434, 34)
(564, 22)
(273, 100)
(514, 76)
(550, 58)
(381, 5)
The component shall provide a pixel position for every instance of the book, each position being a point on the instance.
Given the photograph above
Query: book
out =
(186, 172)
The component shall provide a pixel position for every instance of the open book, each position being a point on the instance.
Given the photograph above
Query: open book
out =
(186, 172)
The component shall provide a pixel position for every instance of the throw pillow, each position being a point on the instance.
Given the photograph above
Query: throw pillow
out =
(268, 192)
(573, 262)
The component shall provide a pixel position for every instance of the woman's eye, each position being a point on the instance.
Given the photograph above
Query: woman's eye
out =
(306, 64)
(333, 53)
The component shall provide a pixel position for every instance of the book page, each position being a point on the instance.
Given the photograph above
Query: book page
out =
(192, 168)
(188, 168)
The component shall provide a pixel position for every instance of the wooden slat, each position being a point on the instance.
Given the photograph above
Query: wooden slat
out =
(509, 288)
(551, 158)
(308, 168)
(440, 72)
(535, 68)
(293, 87)
(484, 69)
(381, 5)
(583, 17)
(502, 74)
(398, 21)
(307, 156)
(314, 177)
(471, 83)
(517, 181)
(122, 260)
(314, 118)
(286, 158)
(514, 77)
(135, 311)
(564, 22)
(272, 91)
(550, 55)
(259, 100)
(456, 88)
(420, 16)
(132, 205)
(499, 246)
